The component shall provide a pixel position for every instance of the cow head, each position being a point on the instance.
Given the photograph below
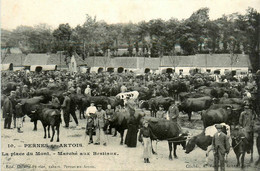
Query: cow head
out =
(190, 145)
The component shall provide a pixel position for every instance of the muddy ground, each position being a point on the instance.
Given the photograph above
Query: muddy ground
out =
(18, 152)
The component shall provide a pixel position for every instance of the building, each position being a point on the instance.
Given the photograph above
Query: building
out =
(34, 62)
(210, 63)
(14, 61)
(45, 61)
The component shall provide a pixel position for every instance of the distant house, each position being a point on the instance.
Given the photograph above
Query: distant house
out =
(210, 63)
(77, 64)
(38, 62)
(13, 61)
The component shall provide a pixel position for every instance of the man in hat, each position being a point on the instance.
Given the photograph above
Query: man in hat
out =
(25, 92)
(7, 112)
(66, 109)
(55, 100)
(19, 117)
(220, 147)
(100, 124)
(173, 112)
(246, 122)
(13, 101)
(87, 91)
(160, 113)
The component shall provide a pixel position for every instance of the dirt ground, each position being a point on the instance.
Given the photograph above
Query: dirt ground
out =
(17, 154)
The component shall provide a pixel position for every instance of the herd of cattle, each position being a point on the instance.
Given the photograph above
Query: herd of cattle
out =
(217, 102)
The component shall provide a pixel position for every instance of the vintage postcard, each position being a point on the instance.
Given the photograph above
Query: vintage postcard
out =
(130, 85)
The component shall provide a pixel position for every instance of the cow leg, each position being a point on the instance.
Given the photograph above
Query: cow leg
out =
(122, 137)
(53, 132)
(154, 152)
(170, 150)
(49, 136)
(207, 155)
(252, 148)
(58, 132)
(44, 127)
(189, 115)
(238, 156)
(174, 150)
(243, 160)
(35, 126)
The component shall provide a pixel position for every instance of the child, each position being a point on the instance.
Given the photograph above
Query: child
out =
(145, 137)
(90, 129)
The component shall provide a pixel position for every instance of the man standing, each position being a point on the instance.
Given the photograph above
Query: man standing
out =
(66, 109)
(109, 112)
(220, 146)
(160, 113)
(19, 117)
(7, 112)
(246, 122)
(87, 91)
(100, 123)
(13, 101)
(173, 112)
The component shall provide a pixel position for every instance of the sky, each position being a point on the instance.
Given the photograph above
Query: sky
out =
(55, 12)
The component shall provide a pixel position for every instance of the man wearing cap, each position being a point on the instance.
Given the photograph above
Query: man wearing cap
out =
(220, 146)
(55, 100)
(25, 92)
(66, 109)
(160, 113)
(87, 91)
(173, 112)
(14, 102)
(7, 112)
(19, 117)
(246, 122)
(99, 124)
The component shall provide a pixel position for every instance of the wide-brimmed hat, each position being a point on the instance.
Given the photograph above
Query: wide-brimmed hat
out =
(218, 126)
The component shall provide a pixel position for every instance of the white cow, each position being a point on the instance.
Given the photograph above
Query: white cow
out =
(131, 94)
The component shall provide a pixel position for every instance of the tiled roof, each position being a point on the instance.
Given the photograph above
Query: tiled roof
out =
(207, 60)
(36, 59)
(126, 62)
(16, 59)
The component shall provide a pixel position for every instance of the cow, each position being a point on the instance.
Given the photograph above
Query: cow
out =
(195, 104)
(216, 115)
(155, 102)
(28, 105)
(204, 139)
(184, 95)
(120, 119)
(241, 144)
(83, 102)
(167, 130)
(48, 117)
(230, 101)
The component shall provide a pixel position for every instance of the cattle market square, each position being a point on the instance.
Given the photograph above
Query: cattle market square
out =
(155, 95)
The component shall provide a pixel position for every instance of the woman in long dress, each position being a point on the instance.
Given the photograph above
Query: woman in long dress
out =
(131, 136)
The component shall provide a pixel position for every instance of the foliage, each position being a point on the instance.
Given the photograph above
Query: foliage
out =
(233, 33)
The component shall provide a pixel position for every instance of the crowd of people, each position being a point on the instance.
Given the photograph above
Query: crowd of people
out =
(22, 85)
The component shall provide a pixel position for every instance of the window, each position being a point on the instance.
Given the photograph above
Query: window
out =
(208, 70)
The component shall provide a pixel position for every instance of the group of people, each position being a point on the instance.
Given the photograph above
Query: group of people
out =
(98, 118)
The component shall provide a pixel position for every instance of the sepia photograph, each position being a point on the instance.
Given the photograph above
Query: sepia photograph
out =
(130, 85)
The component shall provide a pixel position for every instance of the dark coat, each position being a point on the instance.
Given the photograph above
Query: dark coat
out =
(221, 143)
